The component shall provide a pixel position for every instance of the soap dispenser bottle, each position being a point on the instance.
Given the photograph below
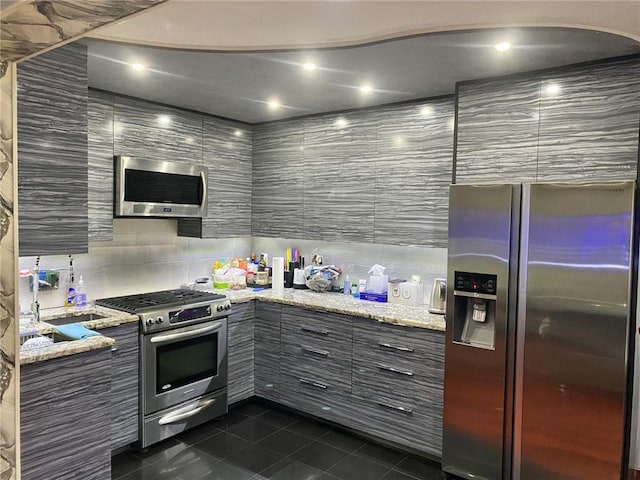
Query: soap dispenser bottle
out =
(81, 293)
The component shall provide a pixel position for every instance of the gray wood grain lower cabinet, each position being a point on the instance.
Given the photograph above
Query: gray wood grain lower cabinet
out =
(316, 363)
(398, 384)
(267, 350)
(124, 383)
(240, 352)
(64, 417)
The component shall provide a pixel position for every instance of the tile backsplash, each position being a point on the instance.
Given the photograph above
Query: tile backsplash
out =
(147, 255)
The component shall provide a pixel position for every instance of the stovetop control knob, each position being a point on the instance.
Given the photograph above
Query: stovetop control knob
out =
(227, 306)
(149, 321)
(220, 308)
(159, 320)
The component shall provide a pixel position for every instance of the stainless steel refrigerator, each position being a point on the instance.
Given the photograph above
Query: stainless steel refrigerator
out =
(540, 305)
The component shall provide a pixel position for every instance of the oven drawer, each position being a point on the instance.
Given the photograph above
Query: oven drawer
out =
(174, 420)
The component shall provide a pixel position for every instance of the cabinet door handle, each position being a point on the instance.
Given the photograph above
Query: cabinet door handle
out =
(394, 370)
(395, 347)
(408, 411)
(114, 349)
(313, 330)
(313, 384)
(314, 350)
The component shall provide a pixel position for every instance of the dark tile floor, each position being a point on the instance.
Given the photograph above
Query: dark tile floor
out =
(258, 442)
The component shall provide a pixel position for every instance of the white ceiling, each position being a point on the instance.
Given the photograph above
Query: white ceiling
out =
(238, 85)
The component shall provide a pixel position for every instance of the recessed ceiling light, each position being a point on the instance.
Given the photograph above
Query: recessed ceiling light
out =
(552, 89)
(164, 120)
(502, 46)
(341, 122)
(366, 88)
(309, 67)
(274, 104)
(238, 133)
(138, 67)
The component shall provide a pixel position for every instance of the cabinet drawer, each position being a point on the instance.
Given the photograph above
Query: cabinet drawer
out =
(381, 376)
(416, 424)
(305, 361)
(316, 397)
(325, 331)
(415, 350)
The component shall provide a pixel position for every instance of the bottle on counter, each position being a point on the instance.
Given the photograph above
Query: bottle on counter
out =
(81, 293)
(70, 299)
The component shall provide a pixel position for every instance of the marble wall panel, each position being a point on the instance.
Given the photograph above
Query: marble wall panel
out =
(339, 176)
(278, 181)
(226, 151)
(52, 148)
(589, 119)
(100, 136)
(497, 131)
(413, 172)
(9, 367)
(157, 132)
(38, 24)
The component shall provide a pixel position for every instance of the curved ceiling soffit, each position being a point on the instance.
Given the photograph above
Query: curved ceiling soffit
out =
(621, 18)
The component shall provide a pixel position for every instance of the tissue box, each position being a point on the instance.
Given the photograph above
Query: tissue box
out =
(373, 297)
(378, 283)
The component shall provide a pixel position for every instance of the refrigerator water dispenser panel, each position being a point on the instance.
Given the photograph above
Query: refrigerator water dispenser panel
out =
(475, 309)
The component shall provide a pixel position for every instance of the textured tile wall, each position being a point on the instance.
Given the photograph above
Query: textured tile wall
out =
(52, 147)
(9, 368)
(378, 175)
(576, 124)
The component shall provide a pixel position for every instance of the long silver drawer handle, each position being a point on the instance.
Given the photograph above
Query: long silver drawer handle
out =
(185, 412)
(191, 333)
(114, 349)
(394, 370)
(394, 347)
(408, 411)
(314, 384)
(314, 350)
(313, 330)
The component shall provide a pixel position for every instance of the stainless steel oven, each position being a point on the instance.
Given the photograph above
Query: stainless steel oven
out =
(183, 359)
(183, 363)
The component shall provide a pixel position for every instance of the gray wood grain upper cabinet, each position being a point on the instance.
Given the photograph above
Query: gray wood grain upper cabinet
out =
(339, 177)
(226, 152)
(267, 350)
(316, 363)
(240, 352)
(52, 152)
(589, 120)
(278, 180)
(125, 363)
(64, 418)
(497, 131)
(413, 168)
(398, 384)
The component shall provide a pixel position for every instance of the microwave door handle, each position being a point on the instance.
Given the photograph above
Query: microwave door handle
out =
(203, 185)
(184, 335)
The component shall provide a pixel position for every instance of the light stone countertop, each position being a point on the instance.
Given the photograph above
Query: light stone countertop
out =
(339, 303)
(111, 318)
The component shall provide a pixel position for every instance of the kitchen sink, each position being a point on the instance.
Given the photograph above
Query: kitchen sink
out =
(86, 317)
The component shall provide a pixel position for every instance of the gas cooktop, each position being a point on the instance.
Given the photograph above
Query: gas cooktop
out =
(153, 300)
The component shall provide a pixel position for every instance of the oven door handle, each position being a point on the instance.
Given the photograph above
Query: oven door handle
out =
(180, 336)
(186, 412)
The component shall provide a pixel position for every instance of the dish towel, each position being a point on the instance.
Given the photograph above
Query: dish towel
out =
(75, 330)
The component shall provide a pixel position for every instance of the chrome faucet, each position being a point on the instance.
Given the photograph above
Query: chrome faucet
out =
(35, 277)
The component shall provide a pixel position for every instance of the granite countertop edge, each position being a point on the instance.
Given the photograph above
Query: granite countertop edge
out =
(405, 315)
(112, 318)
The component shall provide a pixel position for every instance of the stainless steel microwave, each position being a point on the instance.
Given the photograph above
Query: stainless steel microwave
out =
(152, 188)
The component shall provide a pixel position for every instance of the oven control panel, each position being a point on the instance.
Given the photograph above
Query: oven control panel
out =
(164, 319)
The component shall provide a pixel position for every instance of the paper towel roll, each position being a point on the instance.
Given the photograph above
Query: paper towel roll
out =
(277, 274)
